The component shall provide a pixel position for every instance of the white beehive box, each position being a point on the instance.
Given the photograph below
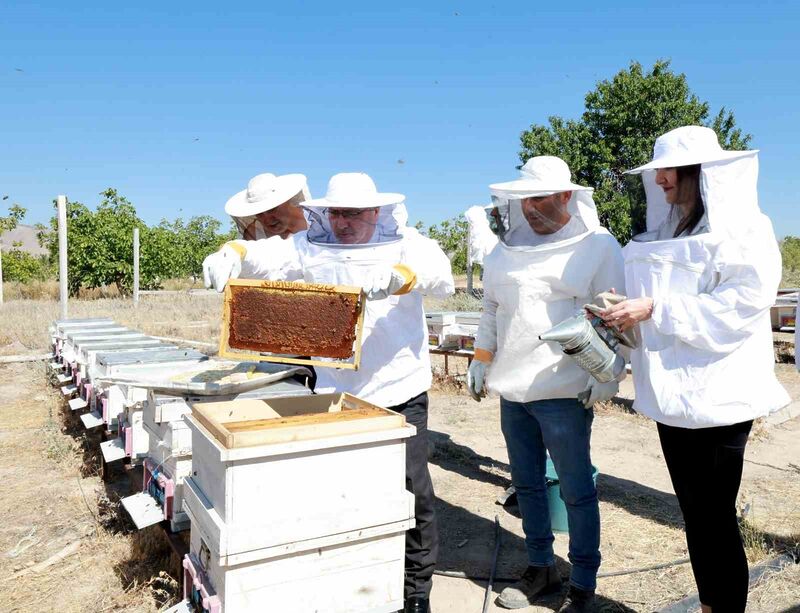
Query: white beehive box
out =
(59, 328)
(333, 464)
(73, 338)
(86, 351)
(298, 505)
(170, 450)
(360, 571)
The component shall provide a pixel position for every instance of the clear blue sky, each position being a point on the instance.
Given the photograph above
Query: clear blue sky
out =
(178, 104)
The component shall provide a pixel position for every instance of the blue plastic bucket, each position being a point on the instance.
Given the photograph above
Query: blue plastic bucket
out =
(558, 510)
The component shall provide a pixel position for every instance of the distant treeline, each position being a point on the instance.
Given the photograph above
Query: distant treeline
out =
(100, 249)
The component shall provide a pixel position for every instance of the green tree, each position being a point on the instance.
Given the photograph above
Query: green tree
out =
(623, 116)
(790, 252)
(100, 245)
(451, 234)
(21, 266)
(10, 221)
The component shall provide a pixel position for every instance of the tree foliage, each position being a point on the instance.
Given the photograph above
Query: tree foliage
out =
(100, 245)
(22, 266)
(790, 252)
(10, 221)
(623, 116)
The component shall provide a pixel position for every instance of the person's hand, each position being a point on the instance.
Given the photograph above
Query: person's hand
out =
(628, 313)
(598, 392)
(390, 281)
(220, 266)
(476, 375)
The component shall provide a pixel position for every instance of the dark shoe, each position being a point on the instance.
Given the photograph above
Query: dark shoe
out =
(578, 601)
(535, 581)
(416, 604)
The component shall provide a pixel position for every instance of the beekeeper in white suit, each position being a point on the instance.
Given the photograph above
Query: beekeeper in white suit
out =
(358, 236)
(700, 284)
(553, 257)
(270, 208)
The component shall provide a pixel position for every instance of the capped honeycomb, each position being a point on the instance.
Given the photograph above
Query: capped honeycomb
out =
(292, 319)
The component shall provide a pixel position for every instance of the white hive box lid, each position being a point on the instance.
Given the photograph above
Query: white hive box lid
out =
(207, 378)
(110, 331)
(470, 318)
(91, 354)
(441, 318)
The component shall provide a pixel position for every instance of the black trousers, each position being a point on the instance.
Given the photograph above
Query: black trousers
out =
(422, 541)
(705, 466)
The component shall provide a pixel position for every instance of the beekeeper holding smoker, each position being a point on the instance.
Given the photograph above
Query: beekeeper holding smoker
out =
(359, 236)
(270, 208)
(553, 257)
(700, 284)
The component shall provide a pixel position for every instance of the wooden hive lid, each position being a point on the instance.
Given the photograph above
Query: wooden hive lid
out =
(250, 422)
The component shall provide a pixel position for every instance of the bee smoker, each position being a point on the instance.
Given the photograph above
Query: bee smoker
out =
(591, 343)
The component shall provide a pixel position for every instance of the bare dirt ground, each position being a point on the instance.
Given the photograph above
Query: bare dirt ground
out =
(65, 545)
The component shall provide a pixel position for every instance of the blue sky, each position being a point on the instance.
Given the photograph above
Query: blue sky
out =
(177, 104)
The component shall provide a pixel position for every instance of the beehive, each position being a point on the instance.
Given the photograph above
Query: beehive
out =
(298, 504)
(287, 320)
(348, 455)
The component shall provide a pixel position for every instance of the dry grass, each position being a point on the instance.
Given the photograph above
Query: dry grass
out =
(23, 325)
(55, 553)
(48, 290)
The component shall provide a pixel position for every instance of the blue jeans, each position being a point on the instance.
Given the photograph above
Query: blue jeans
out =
(563, 427)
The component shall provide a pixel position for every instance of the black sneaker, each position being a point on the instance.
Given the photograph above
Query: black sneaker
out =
(535, 581)
(577, 601)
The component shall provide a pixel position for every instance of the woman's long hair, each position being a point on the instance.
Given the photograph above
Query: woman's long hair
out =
(689, 192)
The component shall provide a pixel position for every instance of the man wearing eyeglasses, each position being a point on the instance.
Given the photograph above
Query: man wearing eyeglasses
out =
(359, 236)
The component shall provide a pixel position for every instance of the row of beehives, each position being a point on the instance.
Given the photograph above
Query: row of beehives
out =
(452, 329)
(292, 504)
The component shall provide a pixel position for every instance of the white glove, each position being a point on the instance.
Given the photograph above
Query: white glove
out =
(598, 392)
(476, 375)
(386, 282)
(220, 266)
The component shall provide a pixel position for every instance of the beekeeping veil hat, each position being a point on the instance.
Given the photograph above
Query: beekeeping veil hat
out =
(539, 176)
(265, 192)
(728, 179)
(481, 238)
(349, 194)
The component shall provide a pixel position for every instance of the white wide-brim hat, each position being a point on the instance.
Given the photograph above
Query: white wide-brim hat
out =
(539, 176)
(354, 190)
(265, 192)
(687, 146)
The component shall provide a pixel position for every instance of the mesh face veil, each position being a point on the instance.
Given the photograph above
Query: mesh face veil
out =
(356, 227)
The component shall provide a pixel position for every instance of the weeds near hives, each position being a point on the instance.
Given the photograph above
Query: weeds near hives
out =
(759, 544)
(784, 352)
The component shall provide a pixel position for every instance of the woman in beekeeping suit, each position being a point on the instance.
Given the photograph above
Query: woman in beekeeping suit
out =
(269, 208)
(700, 283)
(358, 236)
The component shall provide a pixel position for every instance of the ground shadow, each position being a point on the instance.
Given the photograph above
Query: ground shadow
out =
(462, 460)
(467, 543)
(642, 500)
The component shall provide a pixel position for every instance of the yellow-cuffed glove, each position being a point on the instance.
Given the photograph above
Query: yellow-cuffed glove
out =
(398, 279)
(223, 265)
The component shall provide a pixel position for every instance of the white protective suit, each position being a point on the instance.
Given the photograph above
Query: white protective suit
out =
(533, 282)
(481, 238)
(706, 357)
(395, 363)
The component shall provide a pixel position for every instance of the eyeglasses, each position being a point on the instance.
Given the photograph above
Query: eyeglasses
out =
(345, 213)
